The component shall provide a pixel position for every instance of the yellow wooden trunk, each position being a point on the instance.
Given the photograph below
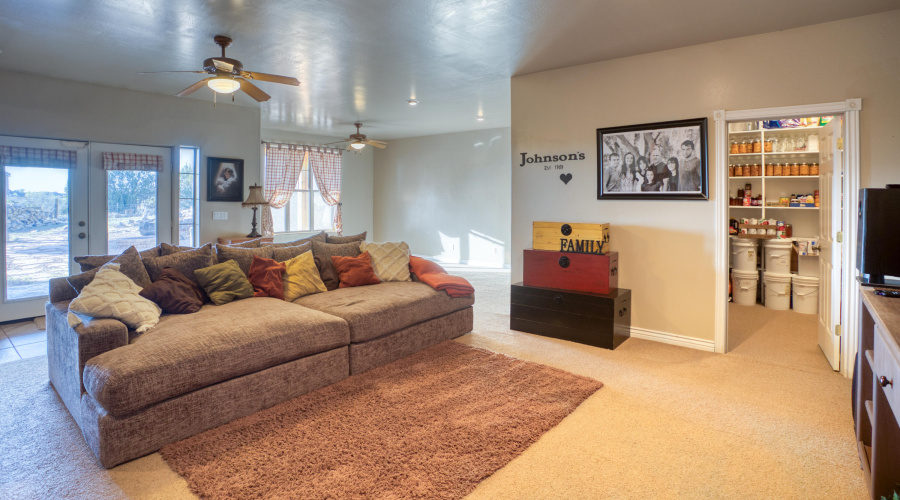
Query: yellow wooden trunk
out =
(571, 237)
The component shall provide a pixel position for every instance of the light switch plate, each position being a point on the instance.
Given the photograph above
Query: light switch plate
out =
(220, 215)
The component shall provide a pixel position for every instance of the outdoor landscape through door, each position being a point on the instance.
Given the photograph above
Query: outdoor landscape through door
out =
(830, 172)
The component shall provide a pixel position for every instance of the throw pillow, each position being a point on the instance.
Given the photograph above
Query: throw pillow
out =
(282, 254)
(328, 250)
(316, 237)
(355, 271)
(346, 239)
(247, 244)
(130, 265)
(113, 295)
(327, 273)
(266, 277)
(167, 249)
(390, 260)
(224, 282)
(242, 256)
(185, 262)
(175, 293)
(88, 262)
(301, 277)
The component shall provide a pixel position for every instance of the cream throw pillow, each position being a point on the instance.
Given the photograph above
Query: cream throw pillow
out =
(390, 260)
(113, 295)
(302, 277)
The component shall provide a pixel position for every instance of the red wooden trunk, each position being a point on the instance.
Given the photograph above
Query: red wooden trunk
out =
(572, 271)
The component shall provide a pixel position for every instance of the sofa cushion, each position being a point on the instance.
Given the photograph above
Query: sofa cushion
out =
(377, 310)
(185, 262)
(284, 254)
(390, 260)
(113, 295)
(328, 250)
(267, 278)
(184, 353)
(243, 257)
(346, 239)
(247, 244)
(175, 293)
(88, 262)
(224, 282)
(327, 273)
(301, 277)
(355, 271)
(130, 265)
(167, 249)
(316, 237)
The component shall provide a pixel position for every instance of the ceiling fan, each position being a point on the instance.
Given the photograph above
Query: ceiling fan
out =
(359, 141)
(229, 75)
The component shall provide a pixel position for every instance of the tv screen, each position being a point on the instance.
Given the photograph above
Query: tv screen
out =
(878, 242)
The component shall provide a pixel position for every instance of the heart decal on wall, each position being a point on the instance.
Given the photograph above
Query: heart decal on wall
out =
(565, 178)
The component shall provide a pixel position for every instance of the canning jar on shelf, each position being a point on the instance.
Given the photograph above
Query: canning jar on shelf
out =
(814, 169)
(742, 147)
(767, 147)
(776, 170)
(804, 168)
(795, 169)
(757, 146)
(735, 147)
(770, 170)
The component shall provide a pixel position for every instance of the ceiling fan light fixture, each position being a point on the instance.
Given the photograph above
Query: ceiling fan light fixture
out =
(357, 145)
(479, 118)
(224, 85)
(412, 102)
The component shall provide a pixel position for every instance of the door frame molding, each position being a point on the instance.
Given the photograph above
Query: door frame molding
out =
(850, 109)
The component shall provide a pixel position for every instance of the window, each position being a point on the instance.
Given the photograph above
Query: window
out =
(188, 196)
(305, 210)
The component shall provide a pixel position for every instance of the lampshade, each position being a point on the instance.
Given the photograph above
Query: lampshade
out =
(224, 85)
(357, 145)
(256, 197)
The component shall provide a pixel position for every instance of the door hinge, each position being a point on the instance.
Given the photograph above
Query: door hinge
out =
(840, 143)
(839, 237)
(837, 330)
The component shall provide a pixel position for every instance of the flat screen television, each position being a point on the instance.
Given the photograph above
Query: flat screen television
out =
(878, 242)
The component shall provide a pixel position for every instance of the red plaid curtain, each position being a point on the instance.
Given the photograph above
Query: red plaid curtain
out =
(132, 161)
(284, 163)
(326, 166)
(12, 156)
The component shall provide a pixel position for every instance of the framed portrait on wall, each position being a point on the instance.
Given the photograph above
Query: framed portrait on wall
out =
(653, 161)
(225, 179)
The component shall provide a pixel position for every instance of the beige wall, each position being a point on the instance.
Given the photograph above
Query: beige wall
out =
(34, 106)
(356, 179)
(666, 248)
(447, 195)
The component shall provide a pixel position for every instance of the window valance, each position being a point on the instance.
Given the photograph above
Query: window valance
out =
(132, 161)
(303, 147)
(12, 156)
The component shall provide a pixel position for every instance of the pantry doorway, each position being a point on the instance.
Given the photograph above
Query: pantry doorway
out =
(808, 277)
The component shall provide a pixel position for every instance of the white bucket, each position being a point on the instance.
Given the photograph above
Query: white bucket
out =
(778, 256)
(743, 254)
(778, 291)
(743, 287)
(806, 294)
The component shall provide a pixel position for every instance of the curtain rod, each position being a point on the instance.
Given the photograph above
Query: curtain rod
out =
(308, 146)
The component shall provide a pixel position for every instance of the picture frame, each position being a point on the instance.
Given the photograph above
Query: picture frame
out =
(224, 179)
(674, 152)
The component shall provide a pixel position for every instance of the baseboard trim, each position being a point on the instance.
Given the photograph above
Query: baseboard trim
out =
(673, 339)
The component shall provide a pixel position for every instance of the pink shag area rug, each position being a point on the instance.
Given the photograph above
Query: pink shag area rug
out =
(432, 425)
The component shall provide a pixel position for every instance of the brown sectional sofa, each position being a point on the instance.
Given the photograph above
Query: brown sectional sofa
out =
(133, 393)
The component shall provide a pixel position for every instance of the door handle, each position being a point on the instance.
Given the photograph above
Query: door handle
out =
(82, 235)
(885, 382)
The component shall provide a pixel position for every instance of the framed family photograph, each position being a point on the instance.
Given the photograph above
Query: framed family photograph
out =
(225, 179)
(659, 161)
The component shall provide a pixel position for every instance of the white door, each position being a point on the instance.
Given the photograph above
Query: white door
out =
(127, 206)
(43, 226)
(830, 186)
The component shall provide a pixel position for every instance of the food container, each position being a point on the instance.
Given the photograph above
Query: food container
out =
(814, 169)
(746, 202)
(752, 231)
(767, 147)
(770, 169)
(730, 170)
(776, 169)
(748, 190)
(795, 169)
(804, 168)
(817, 197)
(735, 147)
(771, 232)
(754, 222)
(784, 201)
(757, 146)
(742, 147)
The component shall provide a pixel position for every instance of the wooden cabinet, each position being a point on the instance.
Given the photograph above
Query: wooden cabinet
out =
(877, 393)
(601, 320)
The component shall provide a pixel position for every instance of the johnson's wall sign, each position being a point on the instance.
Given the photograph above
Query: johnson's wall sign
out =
(550, 159)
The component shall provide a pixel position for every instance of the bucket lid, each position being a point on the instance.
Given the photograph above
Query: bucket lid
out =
(806, 280)
(737, 273)
(776, 243)
(777, 277)
(744, 242)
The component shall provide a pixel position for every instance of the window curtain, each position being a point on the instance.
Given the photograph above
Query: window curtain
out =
(133, 162)
(326, 167)
(12, 156)
(284, 163)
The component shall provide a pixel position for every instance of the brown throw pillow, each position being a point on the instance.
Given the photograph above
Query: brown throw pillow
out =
(242, 256)
(175, 293)
(247, 244)
(88, 262)
(327, 273)
(130, 265)
(284, 254)
(185, 262)
(224, 282)
(328, 250)
(346, 239)
(355, 271)
(267, 277)
(316, 237)
(167, 249)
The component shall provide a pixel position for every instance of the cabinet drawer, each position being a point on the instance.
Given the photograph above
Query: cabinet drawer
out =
(888, 367)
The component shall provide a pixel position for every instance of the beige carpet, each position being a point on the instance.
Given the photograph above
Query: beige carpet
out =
(670, 422)
(432, 425)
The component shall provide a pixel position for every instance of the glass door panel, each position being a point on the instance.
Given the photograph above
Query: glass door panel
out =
(131, 208)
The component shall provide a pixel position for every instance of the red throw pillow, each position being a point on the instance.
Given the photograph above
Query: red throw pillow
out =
(175, 293)
(355, 271)
(266, 276)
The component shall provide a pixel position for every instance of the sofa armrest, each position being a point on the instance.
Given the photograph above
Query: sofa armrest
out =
(68, 349)
(61, 290)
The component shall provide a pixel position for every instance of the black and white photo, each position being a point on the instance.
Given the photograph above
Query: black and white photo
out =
(666, 160)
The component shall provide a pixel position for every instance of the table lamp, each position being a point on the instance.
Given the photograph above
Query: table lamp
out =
(254, 201)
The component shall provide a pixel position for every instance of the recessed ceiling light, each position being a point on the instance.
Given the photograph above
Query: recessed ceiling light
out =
(412, 102)
(480, 118)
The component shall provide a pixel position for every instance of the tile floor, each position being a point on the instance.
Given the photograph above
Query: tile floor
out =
(22, 339)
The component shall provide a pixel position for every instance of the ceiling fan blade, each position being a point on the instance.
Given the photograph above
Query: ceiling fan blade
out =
(223, 66)
(377, 144)
(193, 88)
(254, 91)
(152, 72)
(265, 77)
(335, 142)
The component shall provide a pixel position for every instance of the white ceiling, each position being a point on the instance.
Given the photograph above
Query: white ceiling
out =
(362, 59)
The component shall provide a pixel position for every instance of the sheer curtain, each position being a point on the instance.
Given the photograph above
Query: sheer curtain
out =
(326, 166)
(284, 163)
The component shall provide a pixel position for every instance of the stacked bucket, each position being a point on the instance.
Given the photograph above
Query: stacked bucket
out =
(777, 278)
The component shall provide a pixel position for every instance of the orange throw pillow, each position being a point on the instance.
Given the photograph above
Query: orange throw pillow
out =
(266, 277)
(355, 271)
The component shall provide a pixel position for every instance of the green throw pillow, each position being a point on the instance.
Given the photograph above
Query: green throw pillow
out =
(224, 282)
